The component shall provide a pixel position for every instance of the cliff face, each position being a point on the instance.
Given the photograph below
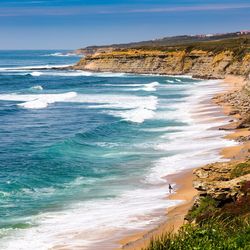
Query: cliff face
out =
(224, 190)
(223, 181)
(198, 63)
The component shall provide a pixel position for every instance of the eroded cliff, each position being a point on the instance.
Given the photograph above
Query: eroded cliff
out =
(198, 63)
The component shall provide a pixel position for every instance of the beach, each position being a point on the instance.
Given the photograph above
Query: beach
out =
(175, 216)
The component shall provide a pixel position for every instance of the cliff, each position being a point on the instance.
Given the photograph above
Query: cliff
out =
(205, 59)
(224, 182)
(196, 63)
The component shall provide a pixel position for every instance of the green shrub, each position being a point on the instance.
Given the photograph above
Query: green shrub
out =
(214, 234)
(241, 169)
(207, 206)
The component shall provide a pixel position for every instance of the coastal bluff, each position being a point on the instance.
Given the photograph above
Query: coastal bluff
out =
(202, 59)
(199, 63)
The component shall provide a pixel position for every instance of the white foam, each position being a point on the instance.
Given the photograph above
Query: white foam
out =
(133, 108)
(170, 81)
(67, 73)
(38, 101)
(164, 129)
(192, 146)
(151, 86)
(91, 222)
(86, 73)
(103, 74)
(173, 164)
(137, 115)
(196, 143)
(144, 87)
(123, 85)
(36, 73)
(25, 68)
(182, 143)
(43, 100)
(78, 73)
(180, 76)
(59, 54)
(37, 87)
(36, 104)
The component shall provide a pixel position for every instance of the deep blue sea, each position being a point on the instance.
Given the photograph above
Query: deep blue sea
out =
(83, 155)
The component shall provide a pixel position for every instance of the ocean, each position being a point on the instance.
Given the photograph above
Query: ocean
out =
(84, 157)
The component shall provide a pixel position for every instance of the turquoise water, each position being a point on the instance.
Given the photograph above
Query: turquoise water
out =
(87, 151)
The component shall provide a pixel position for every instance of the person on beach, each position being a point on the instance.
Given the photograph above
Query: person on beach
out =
(170, 188)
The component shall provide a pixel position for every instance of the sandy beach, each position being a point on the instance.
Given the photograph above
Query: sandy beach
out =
(175, 216)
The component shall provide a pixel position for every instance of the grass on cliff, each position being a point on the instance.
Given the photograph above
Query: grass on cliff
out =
(241, 169)
(212, 234)
(207, 206)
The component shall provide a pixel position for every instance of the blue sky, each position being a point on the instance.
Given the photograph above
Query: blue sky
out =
(70, 24)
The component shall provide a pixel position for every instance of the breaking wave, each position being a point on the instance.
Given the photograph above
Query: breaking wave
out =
(60, 54)
(37, 87)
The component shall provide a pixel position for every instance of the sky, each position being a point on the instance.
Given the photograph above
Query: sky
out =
(72, 24)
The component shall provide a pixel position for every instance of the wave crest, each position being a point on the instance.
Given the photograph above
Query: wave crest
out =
(37, 87)
(60, 54)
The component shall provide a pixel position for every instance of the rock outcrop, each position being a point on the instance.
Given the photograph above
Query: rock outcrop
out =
(222, 181)
(224, 190)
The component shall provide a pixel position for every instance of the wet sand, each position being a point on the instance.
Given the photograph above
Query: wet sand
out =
(175, 215)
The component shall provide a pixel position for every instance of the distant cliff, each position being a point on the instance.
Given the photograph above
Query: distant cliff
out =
(196, 62)
(210, 59)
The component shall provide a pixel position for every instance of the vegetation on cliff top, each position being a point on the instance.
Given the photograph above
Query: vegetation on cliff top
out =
(169, 41)
(215, 46)
(239, 46)
(213, 234)
(241, 169)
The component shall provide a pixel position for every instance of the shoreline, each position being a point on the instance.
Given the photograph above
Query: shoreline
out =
(175, 216)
